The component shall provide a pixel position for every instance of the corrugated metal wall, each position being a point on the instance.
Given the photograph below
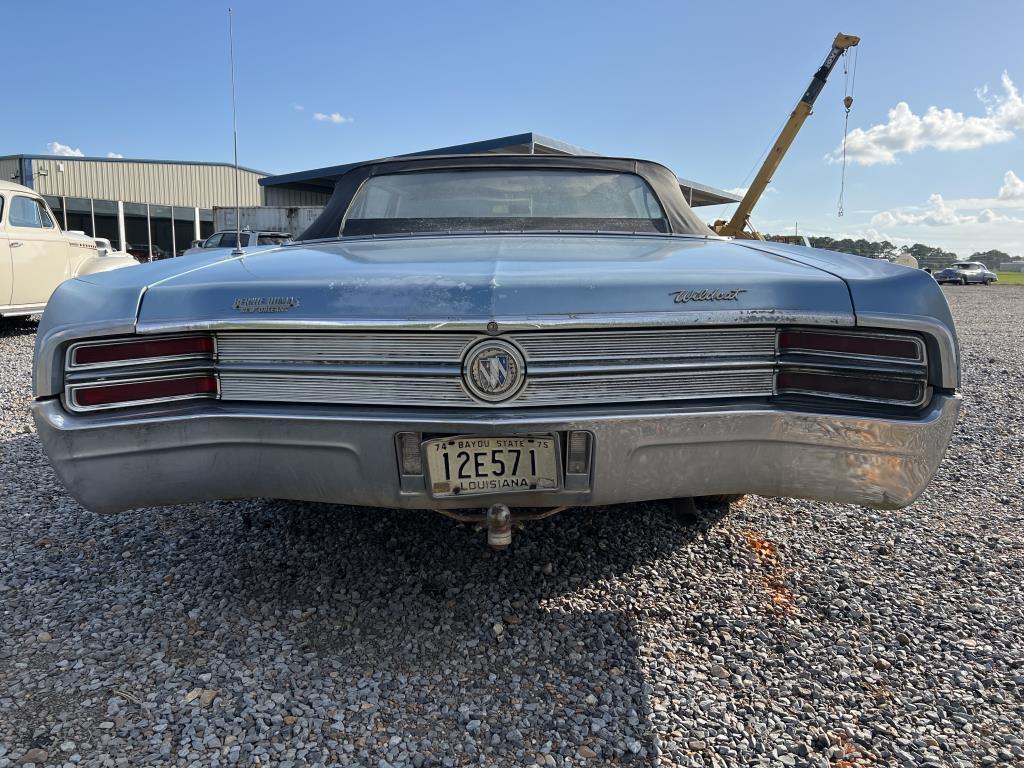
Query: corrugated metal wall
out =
(294, 197)
(182, 184)
(8, 168)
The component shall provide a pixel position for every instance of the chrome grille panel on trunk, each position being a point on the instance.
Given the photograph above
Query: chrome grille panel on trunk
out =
(537, 346)
(579, 367)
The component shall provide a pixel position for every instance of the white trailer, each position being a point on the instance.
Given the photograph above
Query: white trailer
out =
(270, 218)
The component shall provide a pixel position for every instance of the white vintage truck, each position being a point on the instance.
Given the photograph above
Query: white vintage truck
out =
(36, 256)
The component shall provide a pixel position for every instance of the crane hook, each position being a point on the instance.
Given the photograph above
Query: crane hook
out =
(848, 102)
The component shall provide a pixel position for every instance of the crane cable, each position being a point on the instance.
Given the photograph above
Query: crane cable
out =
(848, 88)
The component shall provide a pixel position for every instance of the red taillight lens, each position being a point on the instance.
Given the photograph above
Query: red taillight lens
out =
(846, 385)
(864, 345)
(141, 391)
(143, 349)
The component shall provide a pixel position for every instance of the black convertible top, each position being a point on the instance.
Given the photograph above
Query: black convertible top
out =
(681, 218)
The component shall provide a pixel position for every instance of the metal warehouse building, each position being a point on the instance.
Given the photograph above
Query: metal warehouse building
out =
(158, 207)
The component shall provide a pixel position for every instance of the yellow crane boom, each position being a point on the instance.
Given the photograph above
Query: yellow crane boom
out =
(737, 225)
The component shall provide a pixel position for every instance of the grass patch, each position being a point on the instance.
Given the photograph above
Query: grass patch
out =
(1010, 278)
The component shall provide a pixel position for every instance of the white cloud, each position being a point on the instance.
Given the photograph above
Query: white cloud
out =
(56, 148)
(936, 214)
(115, 155)
(333, 117)
(298, 108)
(941, 129)
(939, 213)
(1013, 187)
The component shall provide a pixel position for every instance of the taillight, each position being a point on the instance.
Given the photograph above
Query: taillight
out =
(851, 386)
(135, 351)
(127, 393)
(881, 367)
(898, 348)
(117, 373)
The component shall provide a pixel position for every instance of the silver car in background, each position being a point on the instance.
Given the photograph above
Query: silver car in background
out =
(228, 239)
(512, 332)
(966, 272)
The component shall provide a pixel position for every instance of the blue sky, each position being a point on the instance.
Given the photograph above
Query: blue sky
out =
(701, 87)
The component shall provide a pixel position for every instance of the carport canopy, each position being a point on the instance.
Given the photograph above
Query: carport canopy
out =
(323, 179)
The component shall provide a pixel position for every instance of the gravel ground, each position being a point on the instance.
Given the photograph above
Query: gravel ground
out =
(784, 633)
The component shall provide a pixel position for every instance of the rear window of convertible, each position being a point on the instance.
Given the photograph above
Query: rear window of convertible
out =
(501, 200)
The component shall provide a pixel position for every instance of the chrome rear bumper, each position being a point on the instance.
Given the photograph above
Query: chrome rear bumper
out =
(111, 462)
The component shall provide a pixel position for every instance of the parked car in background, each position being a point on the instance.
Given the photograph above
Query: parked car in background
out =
(144, 253)
(966, 272)
(520, 333)
(229, 239)
(36, 256)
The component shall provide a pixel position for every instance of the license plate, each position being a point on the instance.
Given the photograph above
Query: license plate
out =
(468, 465)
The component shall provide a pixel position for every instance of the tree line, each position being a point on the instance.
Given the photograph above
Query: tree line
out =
(926, 255)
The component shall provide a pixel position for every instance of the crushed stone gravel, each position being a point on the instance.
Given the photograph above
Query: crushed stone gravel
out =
(271, 633)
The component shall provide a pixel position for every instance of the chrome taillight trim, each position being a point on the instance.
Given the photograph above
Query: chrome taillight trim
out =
(71, 403)
(71, 365)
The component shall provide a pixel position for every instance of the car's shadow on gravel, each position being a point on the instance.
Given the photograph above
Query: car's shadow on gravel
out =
(18, 326)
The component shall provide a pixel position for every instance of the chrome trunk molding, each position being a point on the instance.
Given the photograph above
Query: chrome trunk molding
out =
(505, 324)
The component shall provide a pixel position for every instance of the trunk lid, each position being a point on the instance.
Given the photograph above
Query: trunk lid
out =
(483, 277)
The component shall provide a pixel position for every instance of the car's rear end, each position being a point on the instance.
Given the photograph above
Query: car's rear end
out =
(533, 332)
(281, 396)
(949, 275)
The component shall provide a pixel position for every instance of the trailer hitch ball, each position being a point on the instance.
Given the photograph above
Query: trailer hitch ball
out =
(499, 526)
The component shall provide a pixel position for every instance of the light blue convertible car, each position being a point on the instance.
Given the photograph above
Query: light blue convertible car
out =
(517, 333)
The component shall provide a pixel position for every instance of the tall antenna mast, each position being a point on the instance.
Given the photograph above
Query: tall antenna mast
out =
(234, 130)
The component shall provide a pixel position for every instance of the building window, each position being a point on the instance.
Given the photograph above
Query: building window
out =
(160, 228)
(105, 216)
(205, 222)
(57, 206)
(184, 229)
(136, 230)
(78, 214)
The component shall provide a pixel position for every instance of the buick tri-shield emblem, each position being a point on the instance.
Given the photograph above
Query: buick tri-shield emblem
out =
(494, 371)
